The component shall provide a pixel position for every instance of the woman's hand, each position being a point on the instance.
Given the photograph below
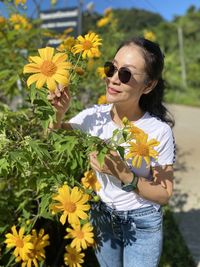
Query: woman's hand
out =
(113, 165)
(60, 99)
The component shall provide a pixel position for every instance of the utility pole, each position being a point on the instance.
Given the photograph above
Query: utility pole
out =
(181, 54)
(80, 10)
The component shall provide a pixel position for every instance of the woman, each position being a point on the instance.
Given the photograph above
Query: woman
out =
(128, 220)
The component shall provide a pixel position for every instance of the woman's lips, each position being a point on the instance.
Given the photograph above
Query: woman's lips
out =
(113, 91)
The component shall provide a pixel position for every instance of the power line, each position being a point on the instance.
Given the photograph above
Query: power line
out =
(151, 5)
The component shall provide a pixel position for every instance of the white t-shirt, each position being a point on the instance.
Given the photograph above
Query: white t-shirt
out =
(97, 121)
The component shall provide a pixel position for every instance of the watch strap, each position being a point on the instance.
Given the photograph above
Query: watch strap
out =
(132, 185)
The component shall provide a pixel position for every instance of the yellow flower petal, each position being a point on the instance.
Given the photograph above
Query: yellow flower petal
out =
(33, 78)
(63, 80)
(40, 82)
(51, 84)
(46, 53)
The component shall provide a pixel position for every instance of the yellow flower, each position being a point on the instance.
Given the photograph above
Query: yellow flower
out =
(21, 242)
(82, 236)
(2, 20)
(22, 2)
(142, 149)
(107, 12)
(101, 72)
(149, 35)
(90, 64)
(102, 100)
(103, 21)
(80, 71)
(90, 181)
(72, 202)
(48, 69)
(67, 44)
(87, 45)
(53, 2)
(19, 21)
(39, 242)
(134, 131)
(73, 257)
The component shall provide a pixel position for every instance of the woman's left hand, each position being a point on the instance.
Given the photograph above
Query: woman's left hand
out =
(113, 164)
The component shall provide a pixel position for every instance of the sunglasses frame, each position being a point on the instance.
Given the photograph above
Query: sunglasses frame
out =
(121, 72)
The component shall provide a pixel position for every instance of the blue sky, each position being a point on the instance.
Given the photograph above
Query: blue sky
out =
(168, 9)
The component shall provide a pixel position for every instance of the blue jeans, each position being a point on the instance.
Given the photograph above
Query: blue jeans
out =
(127, 238)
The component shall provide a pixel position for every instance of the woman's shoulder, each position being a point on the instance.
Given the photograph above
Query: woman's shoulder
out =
(92, 114)
(154, 124)
(98, 108)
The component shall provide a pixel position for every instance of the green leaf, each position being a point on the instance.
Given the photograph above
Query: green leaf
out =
(4, 74)
(121, 151)
(44, 206)
(101, 155)
(125, 134)
(32, 93)
(3, 165)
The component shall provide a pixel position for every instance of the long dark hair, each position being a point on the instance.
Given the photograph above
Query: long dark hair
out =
(154, 58)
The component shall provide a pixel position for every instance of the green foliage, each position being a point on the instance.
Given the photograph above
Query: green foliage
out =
(175, 252)
(35, 162)
(15, 47)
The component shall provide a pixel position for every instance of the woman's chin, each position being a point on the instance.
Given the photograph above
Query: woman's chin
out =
(111, 98)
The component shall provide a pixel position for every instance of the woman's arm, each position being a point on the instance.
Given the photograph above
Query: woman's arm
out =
(158, 190)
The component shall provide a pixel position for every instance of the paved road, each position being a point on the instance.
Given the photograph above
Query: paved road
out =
(186, 199)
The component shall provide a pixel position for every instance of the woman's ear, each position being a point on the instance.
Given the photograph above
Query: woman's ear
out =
(150, 86)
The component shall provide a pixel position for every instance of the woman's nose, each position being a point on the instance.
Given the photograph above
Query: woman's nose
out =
(115, 78)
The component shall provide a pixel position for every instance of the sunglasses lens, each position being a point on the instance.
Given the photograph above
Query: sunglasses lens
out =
(124, 75)
(109, 69)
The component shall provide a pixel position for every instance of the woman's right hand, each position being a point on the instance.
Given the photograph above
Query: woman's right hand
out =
(60, 99)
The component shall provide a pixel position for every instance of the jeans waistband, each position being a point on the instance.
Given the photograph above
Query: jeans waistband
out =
(135, 212)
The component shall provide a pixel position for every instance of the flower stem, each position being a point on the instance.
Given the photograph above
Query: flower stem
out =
(71, 75)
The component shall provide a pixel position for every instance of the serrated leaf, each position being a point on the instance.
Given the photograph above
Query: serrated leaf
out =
(125, 134)
(101, 155)
(121, 151)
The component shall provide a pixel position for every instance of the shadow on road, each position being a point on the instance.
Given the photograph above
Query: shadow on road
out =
(179, 199)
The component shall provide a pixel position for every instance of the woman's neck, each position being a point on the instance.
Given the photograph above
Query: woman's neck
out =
(118, 112)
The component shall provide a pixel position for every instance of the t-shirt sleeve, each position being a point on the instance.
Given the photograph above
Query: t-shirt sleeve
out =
(83, 120)
(166, 149)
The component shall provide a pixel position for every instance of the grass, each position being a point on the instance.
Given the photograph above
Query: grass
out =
(175, 252)
(188, 97)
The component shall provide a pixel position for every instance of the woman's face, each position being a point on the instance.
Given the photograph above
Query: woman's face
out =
(132, 58)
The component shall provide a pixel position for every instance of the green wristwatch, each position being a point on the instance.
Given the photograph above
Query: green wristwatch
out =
(132, 185)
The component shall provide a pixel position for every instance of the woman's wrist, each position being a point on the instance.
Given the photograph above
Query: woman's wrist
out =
(127, 177)
(131, 185)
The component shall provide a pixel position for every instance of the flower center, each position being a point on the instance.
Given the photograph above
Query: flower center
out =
(87, 45)
(32, 254)
(143, 150)
(19, 243)
(73, 257)
(92, 180)
(80, 234)
(48, 68)
(70, 207)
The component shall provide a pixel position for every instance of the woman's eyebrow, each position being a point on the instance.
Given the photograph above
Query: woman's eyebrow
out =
(125, 65)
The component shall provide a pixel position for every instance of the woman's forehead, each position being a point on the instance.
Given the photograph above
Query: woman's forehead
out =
(130, 55)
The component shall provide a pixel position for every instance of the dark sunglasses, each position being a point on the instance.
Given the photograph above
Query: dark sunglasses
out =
(124, 74)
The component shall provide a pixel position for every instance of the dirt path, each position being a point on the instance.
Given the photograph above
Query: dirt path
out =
(186, 199)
